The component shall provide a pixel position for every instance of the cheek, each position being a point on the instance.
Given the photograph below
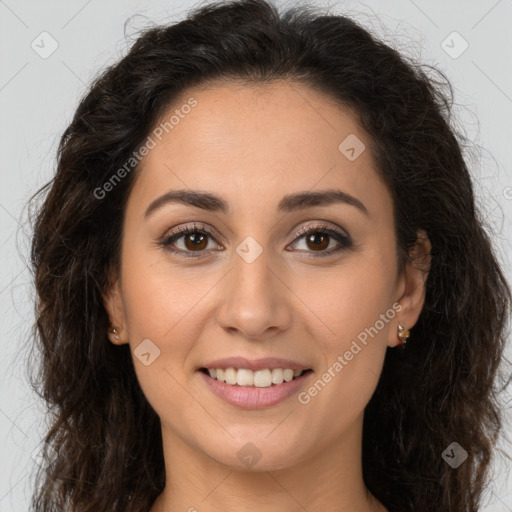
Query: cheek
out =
(159, 305)
(157, 296)
(354, 306)
(350, 298)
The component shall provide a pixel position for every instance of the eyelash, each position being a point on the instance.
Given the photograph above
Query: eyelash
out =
(343, 239)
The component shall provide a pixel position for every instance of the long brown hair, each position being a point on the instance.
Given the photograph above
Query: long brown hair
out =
(106, 436)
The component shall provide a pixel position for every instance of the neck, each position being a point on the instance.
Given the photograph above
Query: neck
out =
(196, 482)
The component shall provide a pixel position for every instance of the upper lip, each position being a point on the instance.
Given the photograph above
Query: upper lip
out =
(255, 364)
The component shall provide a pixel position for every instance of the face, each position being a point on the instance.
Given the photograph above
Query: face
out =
(263, 272)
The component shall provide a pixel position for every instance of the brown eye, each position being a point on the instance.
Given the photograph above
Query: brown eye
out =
(318, 238)
(195, 241)
(317, 241)
(198, 241)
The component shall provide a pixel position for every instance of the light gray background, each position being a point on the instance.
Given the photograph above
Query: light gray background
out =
(39, 95)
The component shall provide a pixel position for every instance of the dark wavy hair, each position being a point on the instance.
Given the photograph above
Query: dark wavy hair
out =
(106, 437)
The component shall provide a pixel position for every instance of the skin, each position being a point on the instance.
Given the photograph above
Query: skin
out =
(253, 144)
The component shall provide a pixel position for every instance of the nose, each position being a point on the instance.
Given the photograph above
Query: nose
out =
(255, 300)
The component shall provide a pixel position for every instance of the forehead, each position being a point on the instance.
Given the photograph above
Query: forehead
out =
(257, 140)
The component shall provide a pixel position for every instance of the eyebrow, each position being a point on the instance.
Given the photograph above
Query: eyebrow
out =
(289, 203)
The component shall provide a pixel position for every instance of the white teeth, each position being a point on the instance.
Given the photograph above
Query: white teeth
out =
(230, 376)
(288, 375)
(262, 378)
(259, 378)
(277, 376)
(244, 377)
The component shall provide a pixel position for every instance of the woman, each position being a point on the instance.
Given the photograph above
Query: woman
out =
(262, 282)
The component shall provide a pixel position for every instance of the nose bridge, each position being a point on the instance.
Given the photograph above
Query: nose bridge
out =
(253, 301)
(251, 267)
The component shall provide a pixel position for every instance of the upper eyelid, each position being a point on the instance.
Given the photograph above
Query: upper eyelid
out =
(322, 225)
(301, 231)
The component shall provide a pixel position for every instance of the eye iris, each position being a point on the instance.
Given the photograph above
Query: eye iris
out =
(318, 238)
(197, 239)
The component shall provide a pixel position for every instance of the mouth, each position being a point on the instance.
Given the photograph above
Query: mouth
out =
(246, 378)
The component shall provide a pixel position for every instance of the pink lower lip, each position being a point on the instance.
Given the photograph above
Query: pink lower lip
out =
(254, 398)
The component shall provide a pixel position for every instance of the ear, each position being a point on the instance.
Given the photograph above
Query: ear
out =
(112, 300)
(411, 287)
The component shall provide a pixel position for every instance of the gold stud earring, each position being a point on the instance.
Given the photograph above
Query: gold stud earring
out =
(403, 334)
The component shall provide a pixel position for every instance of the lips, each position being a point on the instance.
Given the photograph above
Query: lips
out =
(254, 383)
(254, 397)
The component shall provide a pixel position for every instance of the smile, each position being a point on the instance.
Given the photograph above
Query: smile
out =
(245, 377)
(251, 396)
